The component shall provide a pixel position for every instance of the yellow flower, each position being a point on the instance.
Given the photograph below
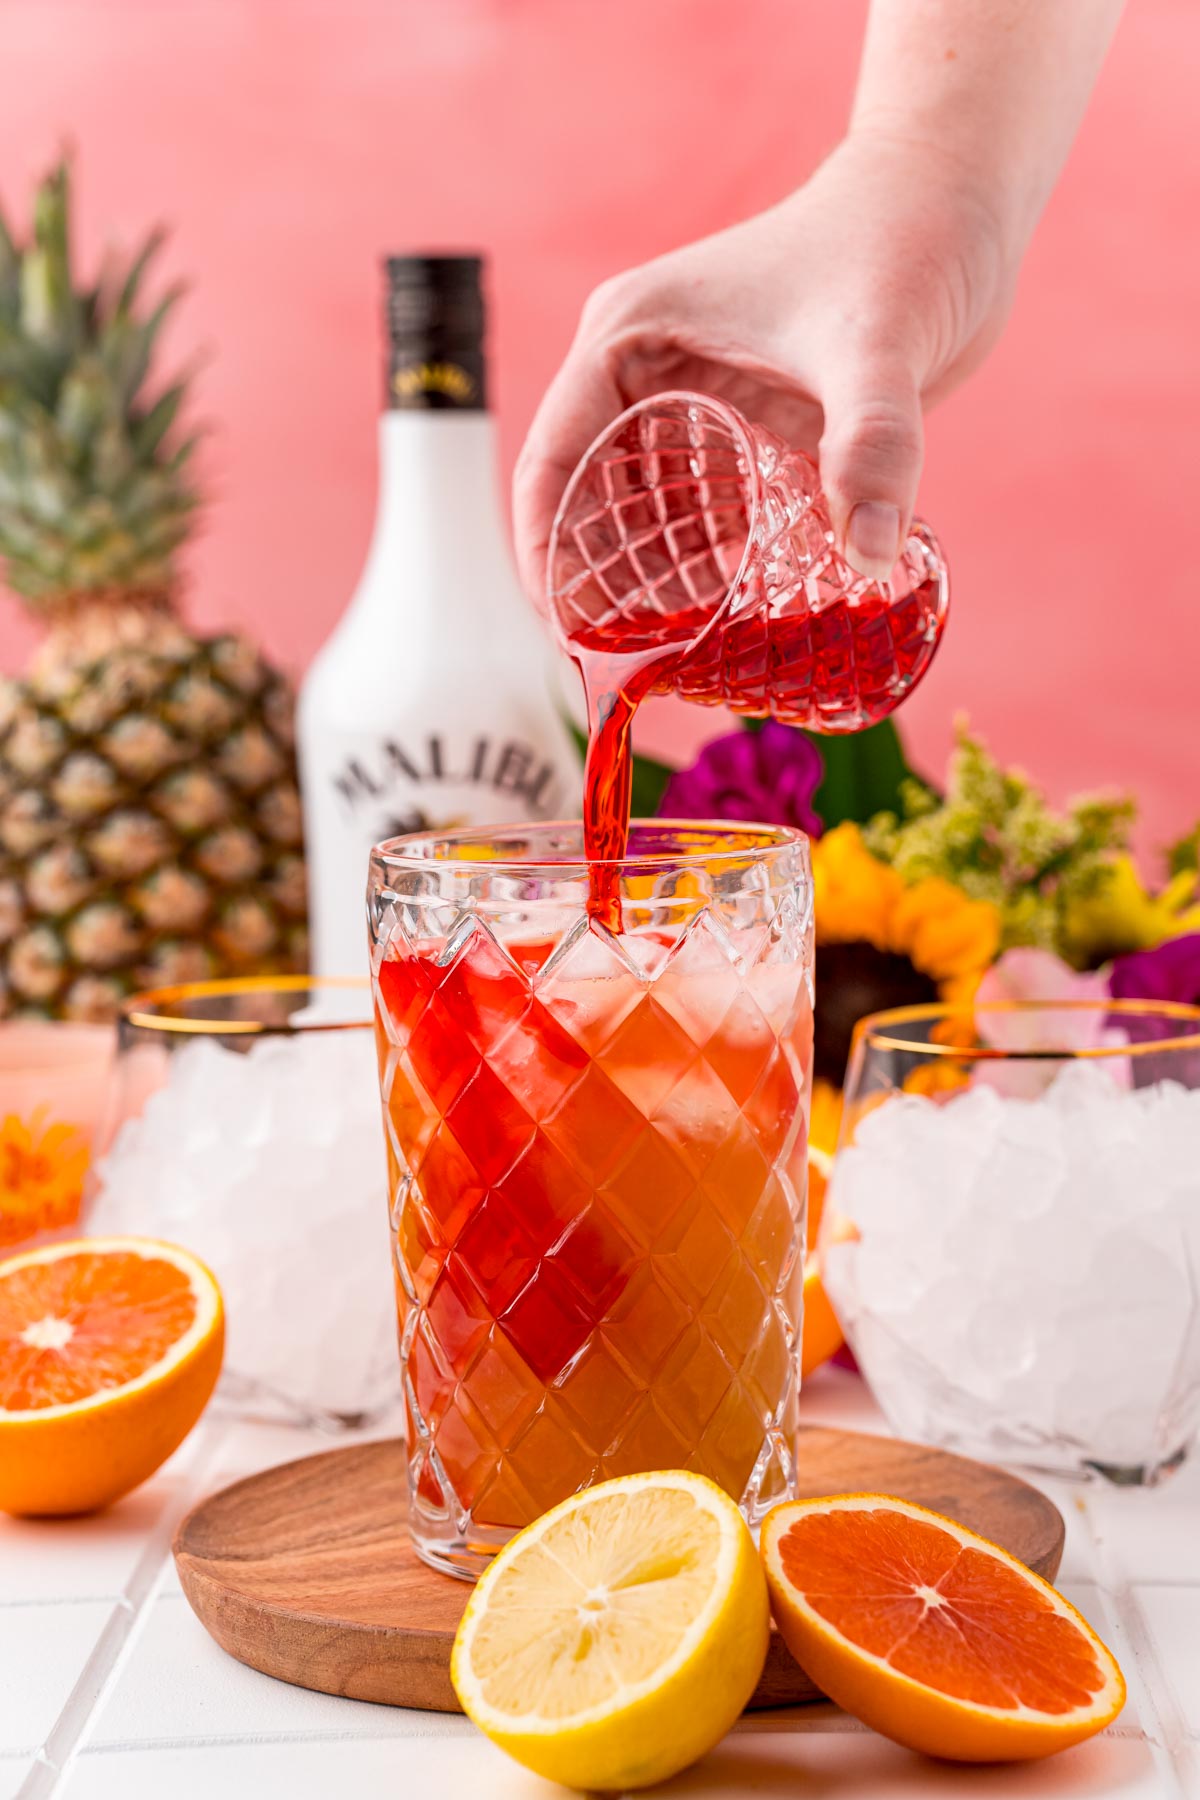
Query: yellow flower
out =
(1122, 915)
(940, 929)
(42, 1167)
(882, 942)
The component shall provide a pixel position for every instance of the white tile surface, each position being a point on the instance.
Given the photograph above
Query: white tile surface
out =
(420, 1769)
(175, 1686)
(248, 1446)
(83, 1559)
(1187, 1765)
(1172, 1616)
(163, 1713)
(1079, 1552)
(809, 1766)
(865, 1767)
(1152, 1534)
(13, 1770)
(43, 1651)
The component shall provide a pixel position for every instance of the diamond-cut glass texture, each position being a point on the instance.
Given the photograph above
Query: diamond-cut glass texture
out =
(687, 527)
(597, 1157)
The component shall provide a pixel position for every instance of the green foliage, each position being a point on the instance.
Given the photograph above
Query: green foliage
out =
(1183, 856)
(994, 835)
(649, 776)
(649, 783)
(578, 737)
(866, 772)
(95, 498)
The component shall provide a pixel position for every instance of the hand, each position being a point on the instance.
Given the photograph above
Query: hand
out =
(832, 320)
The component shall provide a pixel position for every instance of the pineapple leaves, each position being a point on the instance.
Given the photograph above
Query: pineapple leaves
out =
(112, 458)
(137, 269)
(35, 369)
(127, 346)
(148, 432)
(85, 403)
(51, 312)
(95, 494)
(10, 277)
(183, 456)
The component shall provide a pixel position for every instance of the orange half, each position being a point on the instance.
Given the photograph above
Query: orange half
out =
(109, 1350)
(932, 1635)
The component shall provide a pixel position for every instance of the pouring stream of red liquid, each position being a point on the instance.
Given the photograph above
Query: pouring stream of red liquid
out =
(807, 668)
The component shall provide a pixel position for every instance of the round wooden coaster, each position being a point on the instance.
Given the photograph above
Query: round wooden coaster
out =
(306, 1571)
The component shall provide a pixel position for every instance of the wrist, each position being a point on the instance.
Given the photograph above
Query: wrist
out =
(941, 173)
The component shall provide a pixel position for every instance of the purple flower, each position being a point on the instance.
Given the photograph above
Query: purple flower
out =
(1171, 972)
(767, 777)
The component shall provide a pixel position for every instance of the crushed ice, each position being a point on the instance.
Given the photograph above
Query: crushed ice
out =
(1026, 1278)
(270, 1166)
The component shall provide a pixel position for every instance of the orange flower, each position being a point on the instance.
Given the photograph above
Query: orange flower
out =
(42, 1166)
(826, 1119)
(937, 928)
(883, 942)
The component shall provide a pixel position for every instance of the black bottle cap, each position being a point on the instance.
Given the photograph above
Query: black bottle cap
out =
(435, 325)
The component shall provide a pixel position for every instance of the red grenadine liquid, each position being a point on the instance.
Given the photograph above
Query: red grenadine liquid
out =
(839, 668)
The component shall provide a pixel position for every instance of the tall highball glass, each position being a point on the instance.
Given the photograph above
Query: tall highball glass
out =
(597, 1154)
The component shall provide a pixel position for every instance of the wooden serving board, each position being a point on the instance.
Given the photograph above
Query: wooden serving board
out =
(307, 1573)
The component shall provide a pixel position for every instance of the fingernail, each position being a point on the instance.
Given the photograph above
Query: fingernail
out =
(873, 538)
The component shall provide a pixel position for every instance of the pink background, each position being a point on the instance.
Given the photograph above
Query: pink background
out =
(290, 142)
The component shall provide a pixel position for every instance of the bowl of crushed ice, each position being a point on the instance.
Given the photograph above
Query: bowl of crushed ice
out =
(1011, 1237)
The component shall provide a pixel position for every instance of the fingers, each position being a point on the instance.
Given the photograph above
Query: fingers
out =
(870, 460)
(581, 400)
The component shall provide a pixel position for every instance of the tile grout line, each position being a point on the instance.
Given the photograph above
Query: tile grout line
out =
(461, 1732)
(63, 1600)
(1150, 1687)
(61, 1742)
(1175, 1749)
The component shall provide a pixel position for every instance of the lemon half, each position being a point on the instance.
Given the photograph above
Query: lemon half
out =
(618, 1637)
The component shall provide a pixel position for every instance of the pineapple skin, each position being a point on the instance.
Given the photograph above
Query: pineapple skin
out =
(150, 821)
(150, 825)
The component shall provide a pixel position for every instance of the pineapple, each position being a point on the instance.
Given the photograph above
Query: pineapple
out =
(150, 824)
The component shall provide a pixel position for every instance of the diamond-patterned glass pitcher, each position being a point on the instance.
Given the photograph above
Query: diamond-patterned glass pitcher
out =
(689, 534)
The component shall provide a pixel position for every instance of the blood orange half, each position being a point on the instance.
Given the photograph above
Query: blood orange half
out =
(109, 1350)
(932, 1635)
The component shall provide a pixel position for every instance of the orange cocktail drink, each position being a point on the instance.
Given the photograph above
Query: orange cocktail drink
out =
(597, 1157)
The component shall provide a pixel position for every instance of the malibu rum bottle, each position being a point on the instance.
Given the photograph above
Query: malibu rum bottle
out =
(432, 704)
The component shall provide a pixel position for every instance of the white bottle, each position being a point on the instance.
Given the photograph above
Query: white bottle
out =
(434, 703)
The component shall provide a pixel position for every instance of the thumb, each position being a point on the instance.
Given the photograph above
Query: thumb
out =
(870, 459)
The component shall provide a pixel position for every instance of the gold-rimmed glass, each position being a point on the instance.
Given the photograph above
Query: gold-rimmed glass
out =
(242, 1124)
(1012, 1233)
